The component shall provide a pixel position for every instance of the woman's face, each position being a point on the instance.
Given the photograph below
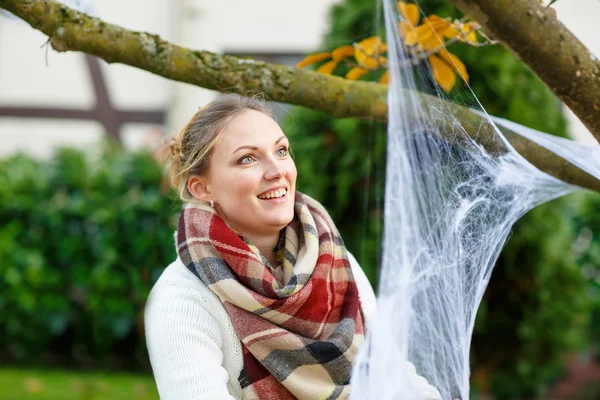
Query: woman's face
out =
(252, 178)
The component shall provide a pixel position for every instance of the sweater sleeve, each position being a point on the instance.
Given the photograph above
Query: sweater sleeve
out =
(184, 343)
(365, 290)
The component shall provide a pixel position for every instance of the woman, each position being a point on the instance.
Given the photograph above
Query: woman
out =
(263, 301)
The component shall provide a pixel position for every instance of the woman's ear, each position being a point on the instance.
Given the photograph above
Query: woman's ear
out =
(199, 187)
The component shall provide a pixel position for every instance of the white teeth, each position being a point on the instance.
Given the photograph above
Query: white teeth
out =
(274, 194)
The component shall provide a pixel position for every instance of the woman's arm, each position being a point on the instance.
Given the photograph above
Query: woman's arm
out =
(365, 290)
(184, 342)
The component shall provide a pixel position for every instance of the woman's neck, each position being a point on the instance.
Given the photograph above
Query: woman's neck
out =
(264, 241)
(266, 244)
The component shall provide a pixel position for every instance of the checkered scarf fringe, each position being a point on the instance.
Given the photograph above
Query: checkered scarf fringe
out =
(300, 324)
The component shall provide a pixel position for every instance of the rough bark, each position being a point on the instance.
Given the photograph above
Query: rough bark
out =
(70, 30)
(536, 36)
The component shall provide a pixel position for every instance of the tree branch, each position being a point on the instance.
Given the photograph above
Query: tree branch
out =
(536, 36)
(71, 30)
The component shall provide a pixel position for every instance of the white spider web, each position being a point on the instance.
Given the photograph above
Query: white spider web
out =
(450, 203)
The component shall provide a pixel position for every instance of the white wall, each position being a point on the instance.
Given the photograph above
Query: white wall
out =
(26, 80)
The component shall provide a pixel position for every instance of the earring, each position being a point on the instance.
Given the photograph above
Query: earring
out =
(212, 204)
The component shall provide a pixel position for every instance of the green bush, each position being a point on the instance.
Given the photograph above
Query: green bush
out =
(536, 307)
(82, 240)
(587, 250)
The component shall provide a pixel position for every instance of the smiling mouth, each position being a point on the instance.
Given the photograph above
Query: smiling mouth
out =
(273, 194)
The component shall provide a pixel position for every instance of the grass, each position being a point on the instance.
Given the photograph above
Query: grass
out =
(30, 384)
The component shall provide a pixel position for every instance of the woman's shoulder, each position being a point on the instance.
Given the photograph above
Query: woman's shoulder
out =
(176, 274)
(178, 287)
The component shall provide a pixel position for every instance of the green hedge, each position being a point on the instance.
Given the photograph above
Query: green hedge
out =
(587, 250)
(82, 240)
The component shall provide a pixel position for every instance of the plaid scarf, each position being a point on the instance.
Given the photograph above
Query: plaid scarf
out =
(300, 324)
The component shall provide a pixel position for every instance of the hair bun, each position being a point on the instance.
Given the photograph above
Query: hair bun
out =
(175, 147)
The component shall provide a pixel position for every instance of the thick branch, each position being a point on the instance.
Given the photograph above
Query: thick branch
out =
(71, 30)
(535, 35)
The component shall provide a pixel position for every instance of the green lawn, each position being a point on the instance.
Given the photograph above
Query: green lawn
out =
(30, 384)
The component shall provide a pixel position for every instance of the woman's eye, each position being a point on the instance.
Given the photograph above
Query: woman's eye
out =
(282, 151)
(246, 160)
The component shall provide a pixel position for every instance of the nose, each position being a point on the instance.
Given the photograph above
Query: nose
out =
(275, 170)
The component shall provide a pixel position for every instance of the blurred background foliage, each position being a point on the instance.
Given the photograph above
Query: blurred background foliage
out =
(83, 237)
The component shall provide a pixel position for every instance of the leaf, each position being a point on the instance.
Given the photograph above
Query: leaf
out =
(367, 52)
(436, 23)
(442, 73)
(356, 73)
(327, 68)
(342, 52)
(428, 35)
(469, 30)
(407, 33)
(430, 41)
(313, 59)
(454, 62)
(451, 32)
(384, 80)
(410, 12)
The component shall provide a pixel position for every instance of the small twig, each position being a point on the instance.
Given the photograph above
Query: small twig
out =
(47, 45)
(488, 40)
(551, 2)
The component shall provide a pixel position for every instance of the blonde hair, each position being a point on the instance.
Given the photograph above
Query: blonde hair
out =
(193, 146)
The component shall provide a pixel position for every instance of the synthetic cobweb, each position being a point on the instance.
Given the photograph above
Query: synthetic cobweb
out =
(454, 188)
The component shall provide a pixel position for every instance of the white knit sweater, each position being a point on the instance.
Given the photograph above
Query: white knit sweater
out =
(194, 350)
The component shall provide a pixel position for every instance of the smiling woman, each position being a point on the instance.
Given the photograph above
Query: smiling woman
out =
(251, 180)
(263, 301)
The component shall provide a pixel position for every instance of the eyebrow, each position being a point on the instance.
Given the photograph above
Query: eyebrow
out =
(254, 147)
